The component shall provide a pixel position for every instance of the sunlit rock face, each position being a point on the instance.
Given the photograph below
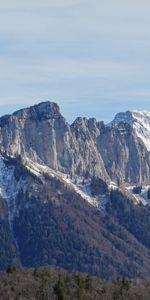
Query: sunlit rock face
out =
(42, 133)
(124, 146)
(117, 151)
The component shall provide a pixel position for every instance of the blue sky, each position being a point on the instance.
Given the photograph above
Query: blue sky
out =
(91, 57)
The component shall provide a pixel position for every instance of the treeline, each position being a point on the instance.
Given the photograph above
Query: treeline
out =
(51, 284)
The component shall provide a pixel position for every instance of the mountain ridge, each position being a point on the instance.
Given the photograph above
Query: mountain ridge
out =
(71, 139)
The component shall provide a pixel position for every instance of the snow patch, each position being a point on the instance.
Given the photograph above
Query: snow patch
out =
(77, 184)
(9, 188)
(139, 120)
(142, 197)
(113, 186)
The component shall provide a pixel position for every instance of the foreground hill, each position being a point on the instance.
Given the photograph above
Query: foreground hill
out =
(50, 284)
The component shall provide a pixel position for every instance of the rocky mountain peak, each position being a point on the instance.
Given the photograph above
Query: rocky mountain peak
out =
(130, 117)
(83, 123)
(124, 117)
(139, 120)
(42, 111)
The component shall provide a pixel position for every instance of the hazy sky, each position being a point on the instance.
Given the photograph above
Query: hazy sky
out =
(91, 57)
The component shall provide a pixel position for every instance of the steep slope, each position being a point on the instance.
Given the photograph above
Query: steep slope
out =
(8, 253)
(54, 225)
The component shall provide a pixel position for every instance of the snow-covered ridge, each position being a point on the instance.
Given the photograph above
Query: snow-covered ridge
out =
(139, 120)
(9, 186)
(83, 190)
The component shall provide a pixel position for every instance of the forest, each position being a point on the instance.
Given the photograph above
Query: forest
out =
(51, 284)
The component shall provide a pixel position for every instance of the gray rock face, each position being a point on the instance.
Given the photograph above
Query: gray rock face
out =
(86, 148)
(125, 157)
(42, 134)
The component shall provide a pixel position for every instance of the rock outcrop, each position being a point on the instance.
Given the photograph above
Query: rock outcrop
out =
(42, 134)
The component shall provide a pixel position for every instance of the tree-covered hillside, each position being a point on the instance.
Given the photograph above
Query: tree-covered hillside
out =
(52, 284)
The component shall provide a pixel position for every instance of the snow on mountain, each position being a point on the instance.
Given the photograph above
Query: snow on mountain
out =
(83, 190)
(142, 197)
(139, 120)
(9, 188)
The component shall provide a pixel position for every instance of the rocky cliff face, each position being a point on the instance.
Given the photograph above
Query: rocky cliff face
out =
(124, 154)
(42, 134)
(129, 136)
(119, 151)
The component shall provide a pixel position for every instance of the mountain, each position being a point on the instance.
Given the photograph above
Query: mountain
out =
(68, 193)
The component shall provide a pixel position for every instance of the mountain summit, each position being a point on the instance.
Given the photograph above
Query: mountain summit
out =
(139, 120)
(42, 111)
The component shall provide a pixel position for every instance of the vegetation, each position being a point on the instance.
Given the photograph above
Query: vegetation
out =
(148, 193)
(137, 189)
(134, 218)
(98, 186)
(54, 226)
(63, 230)
(7, 247)
(51, 284)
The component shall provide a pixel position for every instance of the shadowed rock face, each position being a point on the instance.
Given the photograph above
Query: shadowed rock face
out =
(85, 148)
